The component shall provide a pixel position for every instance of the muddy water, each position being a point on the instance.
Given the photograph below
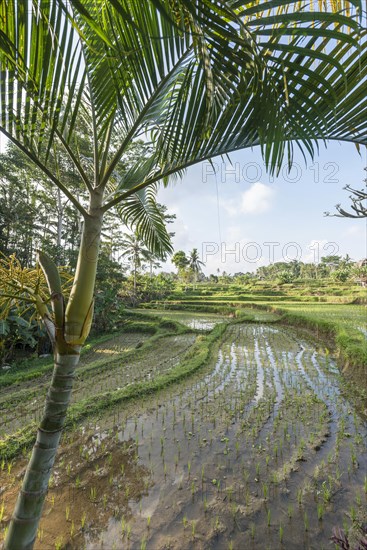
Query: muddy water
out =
(259, 450)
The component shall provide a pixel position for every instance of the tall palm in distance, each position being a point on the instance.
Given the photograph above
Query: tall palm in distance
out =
(195, 264)
(135, 252)
(153, 262)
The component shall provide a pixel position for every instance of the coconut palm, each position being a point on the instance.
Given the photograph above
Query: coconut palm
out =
(153, 262)
(192, 80)
(135, 252)
(195, 263)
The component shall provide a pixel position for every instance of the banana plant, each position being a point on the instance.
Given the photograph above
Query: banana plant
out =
(192, 79)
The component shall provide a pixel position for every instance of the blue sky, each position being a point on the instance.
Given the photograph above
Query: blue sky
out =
(260, 218)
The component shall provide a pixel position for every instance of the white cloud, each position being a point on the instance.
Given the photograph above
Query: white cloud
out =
(257, 199)
(182, 239)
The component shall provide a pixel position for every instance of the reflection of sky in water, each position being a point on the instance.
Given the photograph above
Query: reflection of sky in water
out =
(201, 325)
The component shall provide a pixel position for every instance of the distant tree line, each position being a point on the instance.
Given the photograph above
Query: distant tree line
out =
(332, 267)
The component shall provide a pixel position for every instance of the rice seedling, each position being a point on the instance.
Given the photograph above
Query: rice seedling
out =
(353, 514)
(306, 521)
(93, 494)
(193, 529)
(285, 417)
(281, 533)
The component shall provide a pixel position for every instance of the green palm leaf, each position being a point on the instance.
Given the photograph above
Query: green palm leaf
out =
(200, 79)
(141, 213)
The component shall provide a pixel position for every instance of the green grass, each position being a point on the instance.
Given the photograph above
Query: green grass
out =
(343, 323)
(352, 316)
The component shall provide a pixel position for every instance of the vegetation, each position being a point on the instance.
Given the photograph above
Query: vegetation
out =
(196, 357)
(280, 286)
(194, 80)
(269, 357)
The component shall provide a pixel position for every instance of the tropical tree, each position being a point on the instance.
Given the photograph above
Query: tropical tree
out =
(193, 80)
(135, 252)
(33, 212)
(180, 260)
(108, 304)
(358, 205)
(195, 264)
(328, 264)
(153, 262)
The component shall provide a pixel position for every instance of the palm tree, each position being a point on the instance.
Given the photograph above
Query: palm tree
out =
(195, 264)
(153, 261)
(135, 252)
(193, 80)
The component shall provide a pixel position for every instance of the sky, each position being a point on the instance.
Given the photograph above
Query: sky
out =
(241, 218)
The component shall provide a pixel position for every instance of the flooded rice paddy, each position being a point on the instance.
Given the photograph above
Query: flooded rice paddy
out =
(260, 449)
(108, 367)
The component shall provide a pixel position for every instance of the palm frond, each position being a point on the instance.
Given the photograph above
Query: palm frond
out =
(197, 79)
(141, 213)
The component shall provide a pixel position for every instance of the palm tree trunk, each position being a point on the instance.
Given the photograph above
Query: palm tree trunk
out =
(23, 527)
(70, 334)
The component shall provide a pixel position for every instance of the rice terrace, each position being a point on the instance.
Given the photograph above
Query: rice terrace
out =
(210, 430)
(150, 398)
